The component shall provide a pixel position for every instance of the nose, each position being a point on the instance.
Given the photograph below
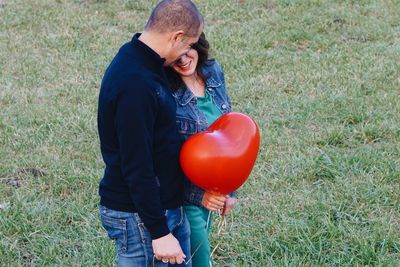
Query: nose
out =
(181, 59)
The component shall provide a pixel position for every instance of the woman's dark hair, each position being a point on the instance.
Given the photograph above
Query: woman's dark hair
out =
(202, 46)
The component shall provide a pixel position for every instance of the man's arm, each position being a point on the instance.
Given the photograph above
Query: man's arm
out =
(136, 113)
(135, 118)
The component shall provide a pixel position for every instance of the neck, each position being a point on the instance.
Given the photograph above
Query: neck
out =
(155, 41)
(195, 84)
(189, 80)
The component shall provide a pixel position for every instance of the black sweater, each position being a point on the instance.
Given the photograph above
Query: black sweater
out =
(139, 141)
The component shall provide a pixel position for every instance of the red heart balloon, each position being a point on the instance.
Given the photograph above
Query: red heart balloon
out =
(221, 158)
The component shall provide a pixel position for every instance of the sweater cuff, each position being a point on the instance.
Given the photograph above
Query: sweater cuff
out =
(158, 229)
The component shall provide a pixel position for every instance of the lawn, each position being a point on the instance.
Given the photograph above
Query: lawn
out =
(321, 78)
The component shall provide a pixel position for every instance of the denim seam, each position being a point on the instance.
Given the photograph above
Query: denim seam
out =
(142, 229)
(125, 244)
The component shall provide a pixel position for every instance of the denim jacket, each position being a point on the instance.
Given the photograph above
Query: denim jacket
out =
(191, 120)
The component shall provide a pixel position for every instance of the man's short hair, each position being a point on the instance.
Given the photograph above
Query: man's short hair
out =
(175, 15)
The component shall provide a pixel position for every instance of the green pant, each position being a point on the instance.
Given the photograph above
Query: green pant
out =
(200, 221)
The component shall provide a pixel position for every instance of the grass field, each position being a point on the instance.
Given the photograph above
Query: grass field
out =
(322, 79)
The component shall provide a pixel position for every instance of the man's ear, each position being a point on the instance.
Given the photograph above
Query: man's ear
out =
(177, 36)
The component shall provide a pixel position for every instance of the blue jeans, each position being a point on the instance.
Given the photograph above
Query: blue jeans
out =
(133, 241)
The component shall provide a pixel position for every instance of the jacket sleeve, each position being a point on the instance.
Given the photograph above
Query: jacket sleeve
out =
(221, 73)
(136, 111)
(193, 193)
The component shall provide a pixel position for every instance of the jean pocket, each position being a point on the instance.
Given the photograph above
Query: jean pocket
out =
(174, 218)
(116, 230)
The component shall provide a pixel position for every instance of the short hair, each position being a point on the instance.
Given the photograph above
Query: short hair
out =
(202, 47)
(175, 15)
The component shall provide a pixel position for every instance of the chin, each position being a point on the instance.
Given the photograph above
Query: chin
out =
(184, 73)
(187, 73)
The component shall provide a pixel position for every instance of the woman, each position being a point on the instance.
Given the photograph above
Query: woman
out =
(199, 88)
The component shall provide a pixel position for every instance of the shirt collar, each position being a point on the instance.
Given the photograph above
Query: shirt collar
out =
(149, 57)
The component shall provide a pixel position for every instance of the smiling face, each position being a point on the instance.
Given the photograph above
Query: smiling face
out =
(179, 45)
(186, 64)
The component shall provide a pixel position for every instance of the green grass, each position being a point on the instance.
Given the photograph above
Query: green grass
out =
(322, 79)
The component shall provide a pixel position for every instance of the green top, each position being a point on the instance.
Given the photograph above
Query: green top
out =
(208, 107)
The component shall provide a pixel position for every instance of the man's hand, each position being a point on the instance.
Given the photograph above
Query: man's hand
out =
(167, 249)
(229, 203)
(213, 201)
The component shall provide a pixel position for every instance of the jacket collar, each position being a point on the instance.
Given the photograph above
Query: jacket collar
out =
(184, 95)
(211, 82)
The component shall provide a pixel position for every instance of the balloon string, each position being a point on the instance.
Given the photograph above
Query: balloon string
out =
(194, 252)
(201, 243)
(221, 226)
(208, 219)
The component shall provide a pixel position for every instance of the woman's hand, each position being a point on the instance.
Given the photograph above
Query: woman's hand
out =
(213, 201)
(229, 203)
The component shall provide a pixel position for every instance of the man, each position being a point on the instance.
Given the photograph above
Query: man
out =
(141, 190)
